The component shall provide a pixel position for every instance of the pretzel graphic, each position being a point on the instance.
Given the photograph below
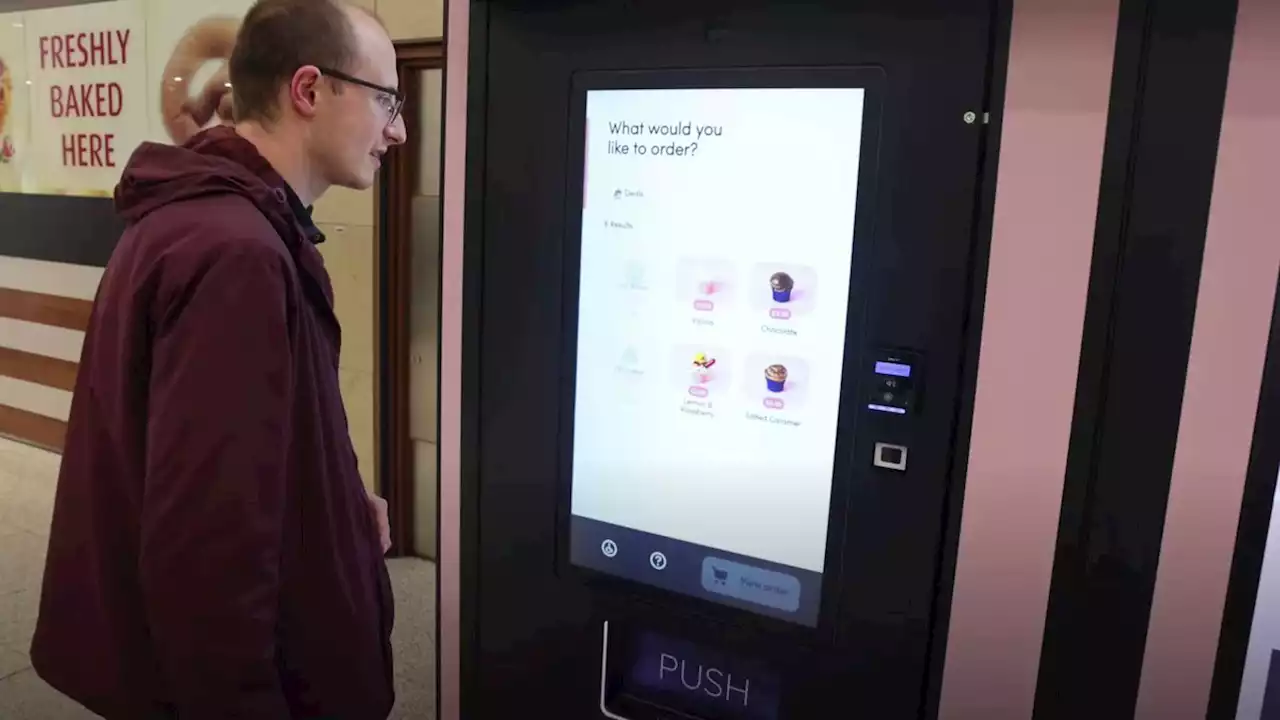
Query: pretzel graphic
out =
(184, 115)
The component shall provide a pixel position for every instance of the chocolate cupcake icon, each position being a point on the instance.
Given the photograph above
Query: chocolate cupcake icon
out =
(781, 284)
(775, 378)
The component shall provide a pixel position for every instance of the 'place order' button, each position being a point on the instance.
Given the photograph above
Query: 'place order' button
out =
(751, 584)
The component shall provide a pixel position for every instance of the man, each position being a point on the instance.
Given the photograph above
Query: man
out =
(213, 552)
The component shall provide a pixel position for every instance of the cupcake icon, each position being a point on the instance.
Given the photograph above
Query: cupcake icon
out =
(702, 368)
(781, 284)
(775, 378)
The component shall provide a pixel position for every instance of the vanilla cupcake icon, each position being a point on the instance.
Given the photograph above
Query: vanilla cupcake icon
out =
(781, 284)
(775, 378)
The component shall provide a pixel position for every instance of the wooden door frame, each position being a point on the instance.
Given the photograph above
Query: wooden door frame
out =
(395, 257)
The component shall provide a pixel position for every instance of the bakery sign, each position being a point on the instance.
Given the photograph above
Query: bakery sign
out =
(82, 86)
(86, 66)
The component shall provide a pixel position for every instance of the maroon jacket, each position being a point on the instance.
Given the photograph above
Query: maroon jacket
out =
(212, 553)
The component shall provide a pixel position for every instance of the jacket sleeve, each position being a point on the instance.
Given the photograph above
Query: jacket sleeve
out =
(218, 429)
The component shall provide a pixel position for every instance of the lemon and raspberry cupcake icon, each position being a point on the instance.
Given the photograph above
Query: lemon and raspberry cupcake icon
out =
(702, 364)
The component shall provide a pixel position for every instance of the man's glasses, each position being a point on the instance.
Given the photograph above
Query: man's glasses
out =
(390, 99)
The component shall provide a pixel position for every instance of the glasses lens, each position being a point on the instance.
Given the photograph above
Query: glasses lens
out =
(397, 104)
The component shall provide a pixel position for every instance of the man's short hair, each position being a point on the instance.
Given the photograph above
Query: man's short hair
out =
(276, 38)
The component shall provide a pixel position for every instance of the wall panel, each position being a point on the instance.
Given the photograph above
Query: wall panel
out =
(1054, 122)
(1233, 318)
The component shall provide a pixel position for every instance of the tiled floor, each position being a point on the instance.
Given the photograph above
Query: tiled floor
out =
(27, 478)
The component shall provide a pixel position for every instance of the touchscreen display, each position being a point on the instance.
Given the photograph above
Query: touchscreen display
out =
(717, 239)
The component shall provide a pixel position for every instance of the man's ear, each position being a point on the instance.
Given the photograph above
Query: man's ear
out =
(303, 95)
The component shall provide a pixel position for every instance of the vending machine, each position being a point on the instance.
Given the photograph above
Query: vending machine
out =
(721, 265)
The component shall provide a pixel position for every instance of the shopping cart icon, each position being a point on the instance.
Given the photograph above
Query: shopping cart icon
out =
(721, 576)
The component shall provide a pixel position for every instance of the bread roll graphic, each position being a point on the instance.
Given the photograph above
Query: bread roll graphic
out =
(6, 92)
(184, 114)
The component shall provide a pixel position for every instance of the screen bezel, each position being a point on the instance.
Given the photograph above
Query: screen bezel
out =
(869, 79)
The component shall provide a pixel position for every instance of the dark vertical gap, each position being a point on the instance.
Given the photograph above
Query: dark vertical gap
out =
(1251, 537)
(1066, 594)
(1171, 67)
(1000, 23)
(471, 693)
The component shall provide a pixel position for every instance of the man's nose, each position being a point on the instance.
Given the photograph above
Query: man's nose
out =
(396, 133)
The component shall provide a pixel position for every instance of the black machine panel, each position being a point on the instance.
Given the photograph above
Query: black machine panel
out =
(720, 261)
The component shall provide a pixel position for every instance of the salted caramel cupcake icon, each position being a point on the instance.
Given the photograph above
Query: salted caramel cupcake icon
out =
(781, 284)
(775, 378)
